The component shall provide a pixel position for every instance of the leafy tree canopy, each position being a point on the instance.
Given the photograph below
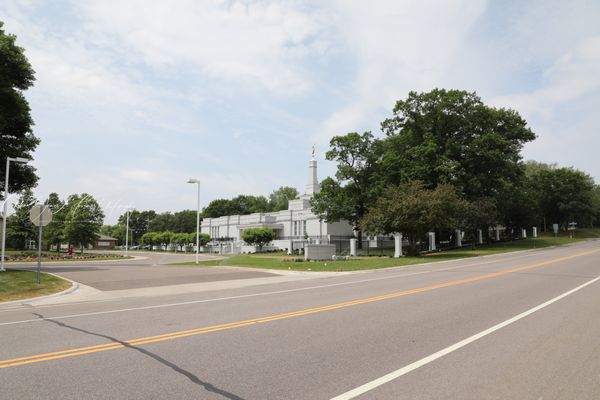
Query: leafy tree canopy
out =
(279, 199)
(19, 229)
(258, 236)
(83, 220)
(357, 182)
(413, 210)
(54, 231)
(184, 221)
(240, 205)
(16, 135)
(450, 136)
(564, 195)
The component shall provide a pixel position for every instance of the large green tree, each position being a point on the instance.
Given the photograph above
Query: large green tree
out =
(413, 210)
(246, 204)
(239, 205)
(83, 220)
(117, 231)
(564, 195)
(139, 222)
(19, 229)
(184, 221)
(478, 214)
(162, 222)
(595, 207)
(279, 199)
(54, 232)
(357, 182)
(451, 136)
(16, 135)
(217, 208)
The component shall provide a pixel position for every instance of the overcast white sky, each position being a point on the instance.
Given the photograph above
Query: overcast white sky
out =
(132, 98)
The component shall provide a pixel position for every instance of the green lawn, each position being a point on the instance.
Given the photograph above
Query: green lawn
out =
(17, 285)
(280, 261)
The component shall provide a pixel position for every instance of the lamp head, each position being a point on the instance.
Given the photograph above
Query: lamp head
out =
(191, 180)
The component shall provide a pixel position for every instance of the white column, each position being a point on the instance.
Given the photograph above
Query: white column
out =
(479, 236)
(524, 233)
(431, 241)
(458, 235)
(353, 247)
(398, 245)
(534, 233)
(291, 242)
(497, 233)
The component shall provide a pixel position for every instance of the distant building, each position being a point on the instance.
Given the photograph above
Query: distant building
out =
(293, 226)
(105, 242)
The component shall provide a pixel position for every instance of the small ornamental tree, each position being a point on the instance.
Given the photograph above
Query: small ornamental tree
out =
(165, 238)
(258, 236)
(150, 238)
(180, 239)
(204, 238)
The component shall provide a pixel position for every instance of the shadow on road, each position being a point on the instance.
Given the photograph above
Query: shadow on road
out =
(207, 386)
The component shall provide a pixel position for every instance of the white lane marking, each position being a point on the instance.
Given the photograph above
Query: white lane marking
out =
(253, 294)
(430, 358)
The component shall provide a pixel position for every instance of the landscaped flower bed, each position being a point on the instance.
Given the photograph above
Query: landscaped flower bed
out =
(51, 256)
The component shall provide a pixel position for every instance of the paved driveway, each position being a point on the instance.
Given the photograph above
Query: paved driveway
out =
(147, 270)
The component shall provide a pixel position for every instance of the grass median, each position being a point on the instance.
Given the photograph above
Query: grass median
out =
(297, 263)
(18, 285)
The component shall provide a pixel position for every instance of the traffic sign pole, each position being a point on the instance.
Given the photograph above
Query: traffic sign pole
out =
(39, 266)
(40, 215)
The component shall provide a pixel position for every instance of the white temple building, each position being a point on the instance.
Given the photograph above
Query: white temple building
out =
(293, 227)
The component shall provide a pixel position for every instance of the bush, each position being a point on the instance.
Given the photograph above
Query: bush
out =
(258, 236)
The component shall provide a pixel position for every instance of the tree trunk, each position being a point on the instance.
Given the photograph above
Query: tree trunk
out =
(412, 246)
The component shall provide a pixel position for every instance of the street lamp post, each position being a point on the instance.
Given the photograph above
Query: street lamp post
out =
(196, 181)
(127, 233)
(5, 207)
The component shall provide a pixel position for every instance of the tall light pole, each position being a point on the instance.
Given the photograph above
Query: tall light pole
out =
(197, 220)
(127, 233)
(5, 207)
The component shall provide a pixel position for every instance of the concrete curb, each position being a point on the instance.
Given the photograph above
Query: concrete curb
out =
(74, 287)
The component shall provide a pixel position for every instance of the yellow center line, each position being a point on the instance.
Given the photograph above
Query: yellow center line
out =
(13, 362)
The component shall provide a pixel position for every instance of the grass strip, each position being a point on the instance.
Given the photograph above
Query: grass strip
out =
(18, 285)
(296, 263)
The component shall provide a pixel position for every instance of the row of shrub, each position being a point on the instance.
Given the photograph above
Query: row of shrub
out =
(167, 238)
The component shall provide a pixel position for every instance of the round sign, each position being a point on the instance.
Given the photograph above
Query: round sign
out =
(40, 215)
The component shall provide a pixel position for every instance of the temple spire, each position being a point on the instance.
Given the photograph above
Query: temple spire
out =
(312, 186)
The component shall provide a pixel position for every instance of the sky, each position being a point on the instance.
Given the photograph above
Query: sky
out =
(132, 98)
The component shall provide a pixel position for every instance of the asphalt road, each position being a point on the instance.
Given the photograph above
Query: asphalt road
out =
(514, 326)
(149, 269)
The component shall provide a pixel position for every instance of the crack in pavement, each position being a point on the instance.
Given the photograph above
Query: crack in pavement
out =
(193, 378)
